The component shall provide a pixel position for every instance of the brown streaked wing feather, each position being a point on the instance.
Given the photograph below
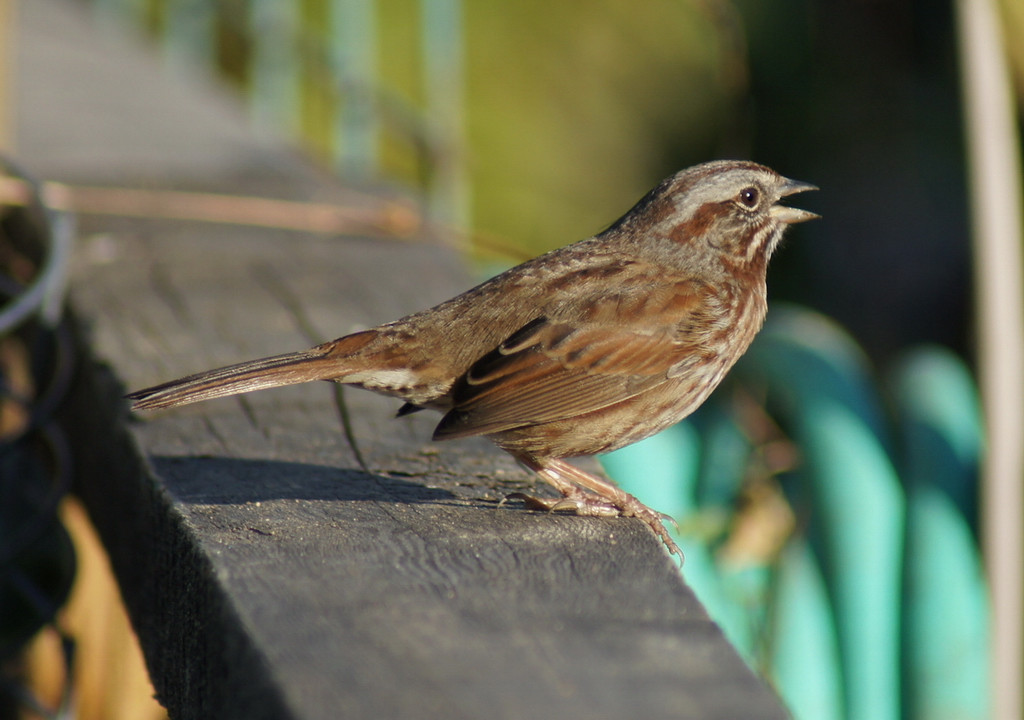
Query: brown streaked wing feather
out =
(552, 370)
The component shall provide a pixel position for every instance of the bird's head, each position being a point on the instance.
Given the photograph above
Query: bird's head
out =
(728, 209)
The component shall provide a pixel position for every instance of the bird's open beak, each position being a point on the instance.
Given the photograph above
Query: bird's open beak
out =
(791, 215)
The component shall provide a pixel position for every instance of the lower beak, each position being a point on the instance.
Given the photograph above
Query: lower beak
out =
(791, 215)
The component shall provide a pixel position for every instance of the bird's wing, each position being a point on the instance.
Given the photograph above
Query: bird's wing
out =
(602, 350)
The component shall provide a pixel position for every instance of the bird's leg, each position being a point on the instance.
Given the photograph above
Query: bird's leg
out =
(588, 494)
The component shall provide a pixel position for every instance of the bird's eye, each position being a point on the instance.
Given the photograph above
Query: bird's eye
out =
(749, 196)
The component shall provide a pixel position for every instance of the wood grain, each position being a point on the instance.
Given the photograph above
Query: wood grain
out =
(271, 576)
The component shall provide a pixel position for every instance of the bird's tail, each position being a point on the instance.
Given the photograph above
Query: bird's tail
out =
(330, 361)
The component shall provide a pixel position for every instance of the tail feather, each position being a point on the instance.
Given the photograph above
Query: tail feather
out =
(289, 369)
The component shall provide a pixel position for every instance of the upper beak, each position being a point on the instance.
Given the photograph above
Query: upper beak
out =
(792, 187)
(791, 215)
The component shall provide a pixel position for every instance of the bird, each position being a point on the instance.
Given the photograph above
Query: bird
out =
(580, 351)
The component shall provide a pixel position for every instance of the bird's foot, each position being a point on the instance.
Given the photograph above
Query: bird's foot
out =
(587, 494)
(577, 501)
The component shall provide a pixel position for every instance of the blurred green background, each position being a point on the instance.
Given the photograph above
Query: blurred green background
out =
(534, 124)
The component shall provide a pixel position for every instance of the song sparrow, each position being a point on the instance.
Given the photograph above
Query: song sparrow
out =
(580, 351)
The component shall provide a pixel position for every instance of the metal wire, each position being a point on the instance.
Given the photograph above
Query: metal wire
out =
(48, 288)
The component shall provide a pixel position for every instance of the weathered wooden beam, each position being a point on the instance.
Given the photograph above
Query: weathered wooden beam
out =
(269, 573)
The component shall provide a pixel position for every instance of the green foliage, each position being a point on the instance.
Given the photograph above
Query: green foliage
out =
(573, 110)
(577, 110)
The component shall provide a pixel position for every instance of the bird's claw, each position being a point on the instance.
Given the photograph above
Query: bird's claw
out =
(584, 503)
